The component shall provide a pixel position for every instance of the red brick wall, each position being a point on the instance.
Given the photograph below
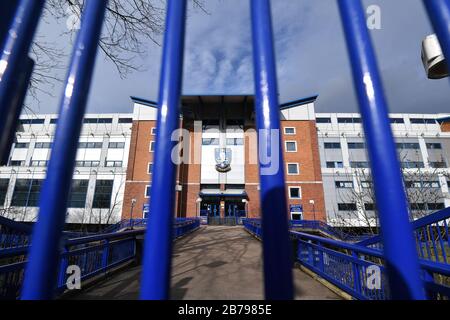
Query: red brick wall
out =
(188, 176)
(137, 172)
(310, 177)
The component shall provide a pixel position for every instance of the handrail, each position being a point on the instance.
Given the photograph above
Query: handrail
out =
(94, 254)
(346, 265)
(439, 217)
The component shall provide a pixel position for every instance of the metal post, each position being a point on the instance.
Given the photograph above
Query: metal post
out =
(133, 203)
(399, 246)
(439, 13)
(276, 243)
(40, 275)
(13, 55)
(155, 282)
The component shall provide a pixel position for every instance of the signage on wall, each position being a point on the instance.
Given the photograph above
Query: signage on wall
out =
(296, 211)
(146, 210)
(296, 208)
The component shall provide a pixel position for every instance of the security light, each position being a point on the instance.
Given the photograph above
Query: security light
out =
(433, 59)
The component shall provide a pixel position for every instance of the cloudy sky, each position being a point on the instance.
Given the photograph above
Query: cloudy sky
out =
(311, 58)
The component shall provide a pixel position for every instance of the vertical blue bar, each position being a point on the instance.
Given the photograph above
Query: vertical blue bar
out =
(41, 271)
(276, 243)
(13, 55)
(155, 283)
(399, 246)
(439, 13)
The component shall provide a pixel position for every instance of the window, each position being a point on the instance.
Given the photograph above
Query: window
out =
(323, 120)
(408, 146)
(235, 142)
(332, 145)
(20, 145)
(422, 121)
(293, 168)
(54, 121)
(335, 165)
(424, 184)
(434, 146)
(435, 206)
(90, 145)
(418, 206)
(43, 145)
(150, 168)
(291, 146)
(366, 184)
(90, 121)
(26, 193)
(32, 121)
(78, 192)
(356, 145)
(113, 164)
(397, 120)
(97, 120)
(88, 164)
(359, 164)
(369, 206)
(3, 190)
(39, 163)
(116, 145)
(153, 132)
(438, 165)
(152, 146)
(412, 165)
(289, 131)
(17, 163)
(295, 193)
(349, 120)
(125, 120)
(210, 142)
(347, 207)
(235, 123)
(103, 193)
(148, 191)
(344, 184)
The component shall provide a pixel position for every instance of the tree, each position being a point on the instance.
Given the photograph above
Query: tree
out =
(129, 25)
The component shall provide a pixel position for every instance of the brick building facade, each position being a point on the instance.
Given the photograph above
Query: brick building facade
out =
(226, 123)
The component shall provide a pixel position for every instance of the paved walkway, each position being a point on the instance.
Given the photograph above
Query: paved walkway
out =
(212, 263)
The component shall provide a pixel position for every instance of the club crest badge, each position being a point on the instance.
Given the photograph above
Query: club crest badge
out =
(223, 160)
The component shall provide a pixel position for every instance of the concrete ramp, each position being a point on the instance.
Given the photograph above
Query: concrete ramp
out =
(215, 262)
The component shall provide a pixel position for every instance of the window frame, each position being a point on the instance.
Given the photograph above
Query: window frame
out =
(286, 146)
(299, 192)
(297, 165)
(290, 134)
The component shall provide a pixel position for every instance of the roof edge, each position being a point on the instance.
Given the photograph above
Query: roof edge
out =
(299, 102)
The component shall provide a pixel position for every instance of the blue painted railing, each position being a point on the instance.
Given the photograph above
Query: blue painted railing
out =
(349, 266)
(15, 66)
(431, 234)
(13, 234)
(95, 255)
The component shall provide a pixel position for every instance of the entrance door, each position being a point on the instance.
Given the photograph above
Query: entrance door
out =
(210, 208)
(234, 209)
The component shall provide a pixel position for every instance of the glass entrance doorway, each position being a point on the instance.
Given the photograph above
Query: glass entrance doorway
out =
(210, 208)
(235, 209)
